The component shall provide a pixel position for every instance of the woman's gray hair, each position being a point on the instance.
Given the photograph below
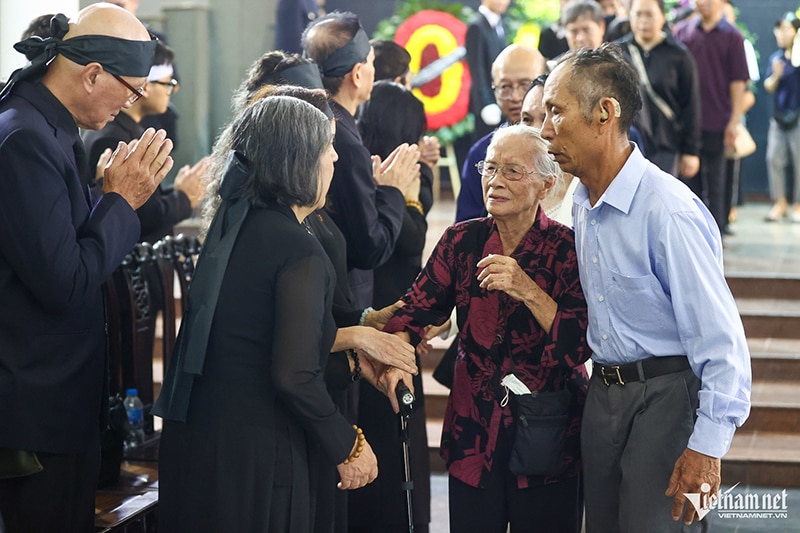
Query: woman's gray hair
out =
(543, 163)
(283, 139)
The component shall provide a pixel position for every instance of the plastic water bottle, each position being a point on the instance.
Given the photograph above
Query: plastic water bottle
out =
(135, 411)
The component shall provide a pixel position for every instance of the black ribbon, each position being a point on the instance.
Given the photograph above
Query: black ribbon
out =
(190, 350)
(121, 57)
(345, 58)
(306, 75)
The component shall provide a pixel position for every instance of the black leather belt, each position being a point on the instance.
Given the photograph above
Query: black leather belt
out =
(641, 370)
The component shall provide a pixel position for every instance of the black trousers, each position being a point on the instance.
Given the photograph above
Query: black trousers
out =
(555, 508)
(709, 183)
(59, 498)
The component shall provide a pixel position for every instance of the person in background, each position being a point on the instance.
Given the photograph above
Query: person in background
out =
(392, 62)
(718, 50)
(40, 26)
(783, 139)
(672, 132)
(585, 26)
(393, 115)
(246, 384)
(367, 195)
(669, 386)
(512, 73)
(734, 186)
(291, 18)
(558, 202)
(58, 246)
(513, 280)
(167, 120)
(486, 38)
(168, 205)
(552, 41)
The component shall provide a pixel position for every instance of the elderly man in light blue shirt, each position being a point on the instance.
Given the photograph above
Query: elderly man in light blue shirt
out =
(672, 371)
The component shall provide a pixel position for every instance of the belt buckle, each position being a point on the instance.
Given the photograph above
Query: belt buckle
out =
(613, 375)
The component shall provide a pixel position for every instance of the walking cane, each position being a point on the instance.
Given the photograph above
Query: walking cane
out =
(405, 399)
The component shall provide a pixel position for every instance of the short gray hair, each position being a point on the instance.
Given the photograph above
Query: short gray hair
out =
(543, 163)
(284, 139)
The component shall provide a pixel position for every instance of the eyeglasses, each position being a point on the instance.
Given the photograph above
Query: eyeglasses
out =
(506, 90)
(512, 172)
(171, 85)
(137, 93)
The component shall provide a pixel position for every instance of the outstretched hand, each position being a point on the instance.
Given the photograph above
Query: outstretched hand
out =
(387, 349)
(136, 168)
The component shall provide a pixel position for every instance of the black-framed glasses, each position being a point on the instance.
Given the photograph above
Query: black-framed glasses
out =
(489, 169)
(137, 93)
(171, 85)
(504, 91)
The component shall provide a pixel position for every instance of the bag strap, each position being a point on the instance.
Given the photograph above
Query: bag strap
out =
(663, 106)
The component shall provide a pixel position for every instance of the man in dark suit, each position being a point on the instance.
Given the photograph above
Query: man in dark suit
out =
(486, 38)
(57, 247)
(367, 198)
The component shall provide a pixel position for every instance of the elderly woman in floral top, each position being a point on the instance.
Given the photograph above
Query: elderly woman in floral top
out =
(513, 279)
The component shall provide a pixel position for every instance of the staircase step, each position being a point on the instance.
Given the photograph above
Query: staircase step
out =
(761, 458)
(775, 407)
(438, 347)
(775, 359)
(764, 285)
(436, 396)
(434, 428)
(770, 317)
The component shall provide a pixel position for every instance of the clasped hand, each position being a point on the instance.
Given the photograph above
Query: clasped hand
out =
(137, 168)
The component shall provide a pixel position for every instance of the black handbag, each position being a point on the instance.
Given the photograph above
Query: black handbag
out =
(786, 120)
(541, 420)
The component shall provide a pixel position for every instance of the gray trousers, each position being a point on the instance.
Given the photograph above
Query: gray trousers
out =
(630, 439)
(783, 147)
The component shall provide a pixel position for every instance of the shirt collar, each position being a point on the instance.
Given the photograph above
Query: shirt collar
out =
(491, 17)
(622, 189)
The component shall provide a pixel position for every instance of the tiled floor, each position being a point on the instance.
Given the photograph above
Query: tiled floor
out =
(757, 247)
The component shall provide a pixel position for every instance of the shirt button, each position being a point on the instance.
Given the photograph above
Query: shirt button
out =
(594, 222)
(605, 337)
(601, 298)
(594, 260)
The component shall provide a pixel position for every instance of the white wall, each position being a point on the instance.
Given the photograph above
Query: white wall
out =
(15, 15)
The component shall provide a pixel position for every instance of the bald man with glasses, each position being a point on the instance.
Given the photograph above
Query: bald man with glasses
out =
(58, 245)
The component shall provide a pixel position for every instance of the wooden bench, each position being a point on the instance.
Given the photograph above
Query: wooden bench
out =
(129, 506)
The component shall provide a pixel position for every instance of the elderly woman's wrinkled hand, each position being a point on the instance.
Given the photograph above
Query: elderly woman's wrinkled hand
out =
(503, 273)
(387, 383)
(360, 471)
(387, 349)
(378, 319)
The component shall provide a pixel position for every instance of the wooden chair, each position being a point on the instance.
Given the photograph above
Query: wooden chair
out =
(131, 326)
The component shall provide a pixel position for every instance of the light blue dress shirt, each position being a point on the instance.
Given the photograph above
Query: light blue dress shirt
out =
(650, 259)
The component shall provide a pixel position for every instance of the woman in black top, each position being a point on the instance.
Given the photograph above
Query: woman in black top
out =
(248, 418)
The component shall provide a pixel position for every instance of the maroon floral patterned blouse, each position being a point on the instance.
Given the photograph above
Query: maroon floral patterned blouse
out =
(493, 326)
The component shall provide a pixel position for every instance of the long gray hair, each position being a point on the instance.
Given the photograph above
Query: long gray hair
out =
(283, 139)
